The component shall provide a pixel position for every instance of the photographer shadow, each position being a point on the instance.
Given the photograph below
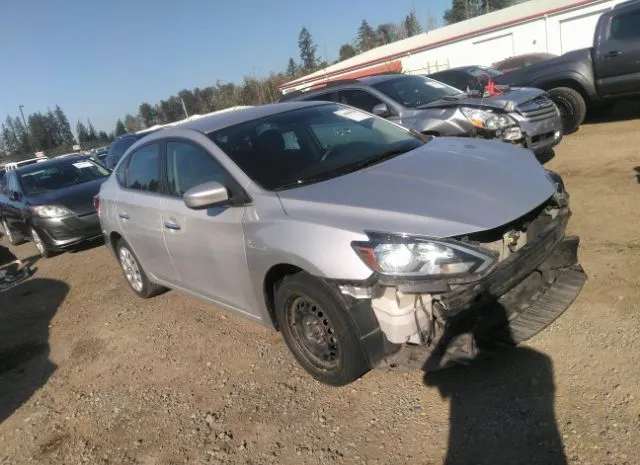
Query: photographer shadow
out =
(26, 311)
(502, 406)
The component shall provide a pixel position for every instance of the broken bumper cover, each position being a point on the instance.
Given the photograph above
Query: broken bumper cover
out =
(513, 302)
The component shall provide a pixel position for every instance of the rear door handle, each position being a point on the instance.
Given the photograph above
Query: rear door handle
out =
(612, 54)
(124, 215)
(172, 226)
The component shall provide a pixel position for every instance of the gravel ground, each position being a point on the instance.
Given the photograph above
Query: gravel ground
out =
(91, 374)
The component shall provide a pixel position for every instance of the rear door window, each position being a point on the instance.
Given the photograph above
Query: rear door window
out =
(626, 26)
(359, 99)
(143, 171)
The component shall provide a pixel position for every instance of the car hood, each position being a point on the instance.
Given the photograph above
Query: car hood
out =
(78, 198)
(448, 187)
(517, 95)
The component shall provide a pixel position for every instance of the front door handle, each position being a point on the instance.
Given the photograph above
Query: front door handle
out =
(123, 215)
(612, 54)
(172, 226)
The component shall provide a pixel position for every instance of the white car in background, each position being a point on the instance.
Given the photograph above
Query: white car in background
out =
(17, 164)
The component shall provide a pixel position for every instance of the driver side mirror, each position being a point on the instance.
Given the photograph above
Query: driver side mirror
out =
(207, 195)
(15, 196)
(381, 110)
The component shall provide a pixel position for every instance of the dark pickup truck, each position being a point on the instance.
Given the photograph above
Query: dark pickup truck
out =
(595, 77)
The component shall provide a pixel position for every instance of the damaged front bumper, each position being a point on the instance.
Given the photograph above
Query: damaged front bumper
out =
(519, 298)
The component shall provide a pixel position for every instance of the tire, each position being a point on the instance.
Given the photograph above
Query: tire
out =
(572, 106)
(11, 236)
(319, 331)
(133, 272)
(43, 249)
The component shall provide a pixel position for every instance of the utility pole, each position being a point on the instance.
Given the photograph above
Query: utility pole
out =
(23, 120)
(184, 107)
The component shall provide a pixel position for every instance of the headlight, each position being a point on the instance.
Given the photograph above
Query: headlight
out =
(51, 211)
(486, 119)
(410, 256)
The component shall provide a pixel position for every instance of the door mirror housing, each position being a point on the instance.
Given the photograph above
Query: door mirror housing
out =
(381, 110)
(15, 196)
(206, 195)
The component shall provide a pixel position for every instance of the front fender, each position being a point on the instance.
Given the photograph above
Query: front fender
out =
(320, 250)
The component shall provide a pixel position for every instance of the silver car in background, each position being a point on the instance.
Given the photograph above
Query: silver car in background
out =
(366, 244)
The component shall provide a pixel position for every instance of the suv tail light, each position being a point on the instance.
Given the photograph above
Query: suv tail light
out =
(96, 202)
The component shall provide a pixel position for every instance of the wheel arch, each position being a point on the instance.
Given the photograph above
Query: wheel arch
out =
(567, 82)
(272, 279)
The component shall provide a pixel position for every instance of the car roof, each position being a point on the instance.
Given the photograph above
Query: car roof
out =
(49, 162)
(211, 123)
(377, 78)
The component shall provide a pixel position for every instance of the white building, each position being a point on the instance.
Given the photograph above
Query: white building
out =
(553, 26)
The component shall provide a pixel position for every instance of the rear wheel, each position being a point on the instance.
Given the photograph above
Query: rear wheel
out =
(11, 236)
(318, 330)
(572, 106)
(133, 272)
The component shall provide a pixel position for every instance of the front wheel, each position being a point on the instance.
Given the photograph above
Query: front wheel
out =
(319, 331)
(572, 106)
(43, 249)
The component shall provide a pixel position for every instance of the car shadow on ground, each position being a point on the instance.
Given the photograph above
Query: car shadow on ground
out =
(25, 314)
(546, 157)
(620, 111)
(637, 170)
(501, 408)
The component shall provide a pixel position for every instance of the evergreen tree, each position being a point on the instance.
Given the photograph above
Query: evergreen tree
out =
(412, 25)
(91, 132)
(9, 137)
(292, 69)
(307, 50)
(366, 37)
(22, 136)
(64, 136)
(39, 132)
(120, 129)
(83, 132)
(462, 10)
(103, 136)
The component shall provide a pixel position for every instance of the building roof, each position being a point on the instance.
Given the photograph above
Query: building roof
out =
(506, 17)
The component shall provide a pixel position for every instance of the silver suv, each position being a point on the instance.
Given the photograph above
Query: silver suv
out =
(365, 243)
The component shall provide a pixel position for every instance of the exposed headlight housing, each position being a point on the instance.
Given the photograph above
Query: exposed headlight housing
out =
(486, 119)
(395, 255)
(51, 211)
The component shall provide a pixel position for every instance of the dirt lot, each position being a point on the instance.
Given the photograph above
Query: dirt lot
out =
(91, 374)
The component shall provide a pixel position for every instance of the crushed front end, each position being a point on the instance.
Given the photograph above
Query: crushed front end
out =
(535, 124)
(532, 278)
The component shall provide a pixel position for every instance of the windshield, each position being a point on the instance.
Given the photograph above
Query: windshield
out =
(414, 91)
(312, 144)
(478, 71)
(41, 179)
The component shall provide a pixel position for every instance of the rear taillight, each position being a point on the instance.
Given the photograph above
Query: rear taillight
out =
(96, 202)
